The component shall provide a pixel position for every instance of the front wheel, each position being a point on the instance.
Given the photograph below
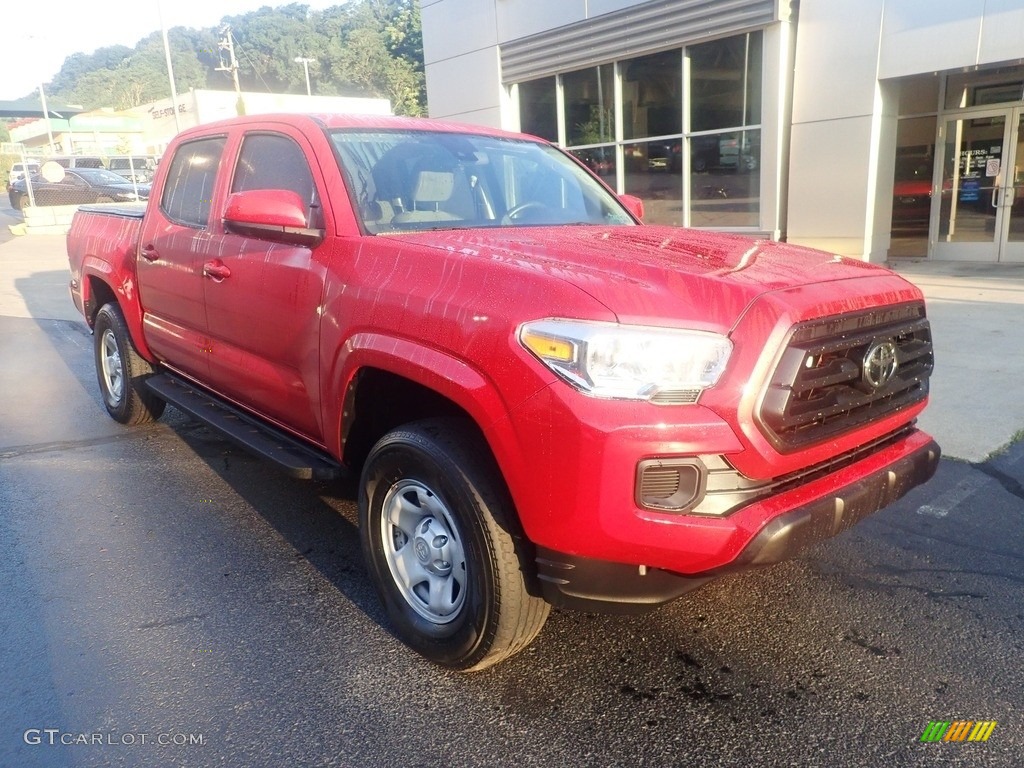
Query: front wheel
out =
(442, 546)
(121, 371)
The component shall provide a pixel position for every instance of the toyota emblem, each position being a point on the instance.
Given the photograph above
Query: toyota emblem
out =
(880, 364)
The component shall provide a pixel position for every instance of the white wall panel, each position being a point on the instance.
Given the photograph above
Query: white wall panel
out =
(597, 7)
(521, 18)
(931, 35)
(829, 178)
(491, 117)
(457, 27)
(836, 59)
(1002, 34)
(465, 84)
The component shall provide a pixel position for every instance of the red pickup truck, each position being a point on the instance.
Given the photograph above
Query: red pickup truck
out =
(546, 401)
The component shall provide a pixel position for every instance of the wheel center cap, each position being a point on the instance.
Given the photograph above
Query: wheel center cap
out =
(422, 550)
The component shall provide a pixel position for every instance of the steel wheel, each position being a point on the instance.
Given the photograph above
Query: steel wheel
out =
(121, 371)
(424, 551)
(111, 368)
(443, 546)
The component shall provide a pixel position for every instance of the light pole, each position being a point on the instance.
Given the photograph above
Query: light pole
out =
(46, 117)
(170, 69)
(305, 65)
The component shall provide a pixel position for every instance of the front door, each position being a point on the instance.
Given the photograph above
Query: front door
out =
(263, 314)
(978, 208)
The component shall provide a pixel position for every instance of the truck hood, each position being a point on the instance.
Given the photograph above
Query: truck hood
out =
(651, 274)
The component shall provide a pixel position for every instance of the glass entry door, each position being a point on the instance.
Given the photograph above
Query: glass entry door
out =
(1012, 193)
(980, 200)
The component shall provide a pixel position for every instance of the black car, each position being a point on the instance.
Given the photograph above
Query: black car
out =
(81, 185)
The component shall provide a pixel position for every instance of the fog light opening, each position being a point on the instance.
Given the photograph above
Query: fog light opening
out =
(674, 485)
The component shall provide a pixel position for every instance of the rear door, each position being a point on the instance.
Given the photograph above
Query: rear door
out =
(176, 241)
(263, 305)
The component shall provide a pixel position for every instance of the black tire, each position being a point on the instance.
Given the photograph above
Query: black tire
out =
(121, 371)
(438, 476)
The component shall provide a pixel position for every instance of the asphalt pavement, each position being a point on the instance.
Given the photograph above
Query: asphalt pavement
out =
(167, 599)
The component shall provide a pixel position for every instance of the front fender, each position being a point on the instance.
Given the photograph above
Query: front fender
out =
(434, 369)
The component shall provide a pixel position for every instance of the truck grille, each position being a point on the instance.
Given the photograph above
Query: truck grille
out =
(842, 372)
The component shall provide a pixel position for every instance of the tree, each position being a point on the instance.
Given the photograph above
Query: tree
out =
(78, 65)
(380, 53)
(266, 44)
(362, 48)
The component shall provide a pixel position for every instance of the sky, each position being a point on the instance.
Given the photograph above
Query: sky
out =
(36, 42)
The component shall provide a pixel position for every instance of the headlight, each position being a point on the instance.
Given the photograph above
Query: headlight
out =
(664, 365)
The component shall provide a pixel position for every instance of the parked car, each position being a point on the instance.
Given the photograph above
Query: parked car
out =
(18, 171)
(134, 168)
(725, 152)
(912, 192)
(82, 185)
(544, 400)
(601, 160)
(76, 161)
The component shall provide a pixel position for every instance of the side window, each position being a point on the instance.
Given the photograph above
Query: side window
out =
(272, 161)
(188, 189)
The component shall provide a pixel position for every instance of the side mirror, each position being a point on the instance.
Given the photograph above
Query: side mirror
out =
(633, 204)
(271, 214)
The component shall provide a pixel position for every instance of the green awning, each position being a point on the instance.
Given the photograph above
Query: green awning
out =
(32, 108)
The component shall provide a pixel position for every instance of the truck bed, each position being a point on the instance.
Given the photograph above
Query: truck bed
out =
(105, 235)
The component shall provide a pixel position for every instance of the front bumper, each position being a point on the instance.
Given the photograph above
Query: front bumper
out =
(866, 487)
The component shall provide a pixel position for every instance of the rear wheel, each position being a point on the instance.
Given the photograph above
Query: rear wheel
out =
(441, 543)
(121, 371)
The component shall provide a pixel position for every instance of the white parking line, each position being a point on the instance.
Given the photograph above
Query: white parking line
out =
(955, 496)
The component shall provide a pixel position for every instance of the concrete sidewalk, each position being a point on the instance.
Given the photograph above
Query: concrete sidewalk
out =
(976, 310)
(977, 316)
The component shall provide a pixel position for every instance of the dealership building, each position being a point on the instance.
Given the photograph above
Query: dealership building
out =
(868, 128)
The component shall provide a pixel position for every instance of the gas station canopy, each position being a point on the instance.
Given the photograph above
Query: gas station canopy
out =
(31, 108)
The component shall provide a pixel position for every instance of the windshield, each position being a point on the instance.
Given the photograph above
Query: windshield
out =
(99, 176)
(416, 180)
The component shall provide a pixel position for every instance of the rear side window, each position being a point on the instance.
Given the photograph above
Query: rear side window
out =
(188, 188)
(273, 161)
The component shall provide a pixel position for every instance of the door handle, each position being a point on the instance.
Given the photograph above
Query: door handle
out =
(149, 253)
(216, 269)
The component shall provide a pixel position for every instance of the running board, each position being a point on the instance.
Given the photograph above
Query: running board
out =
(297, 459)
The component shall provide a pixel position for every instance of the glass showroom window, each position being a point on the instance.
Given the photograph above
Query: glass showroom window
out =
(538, 108)
(724, 134)
(652, 109)
(640, 147)
(589, 99)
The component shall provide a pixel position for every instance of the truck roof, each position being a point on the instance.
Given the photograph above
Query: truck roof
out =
(362, 122)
